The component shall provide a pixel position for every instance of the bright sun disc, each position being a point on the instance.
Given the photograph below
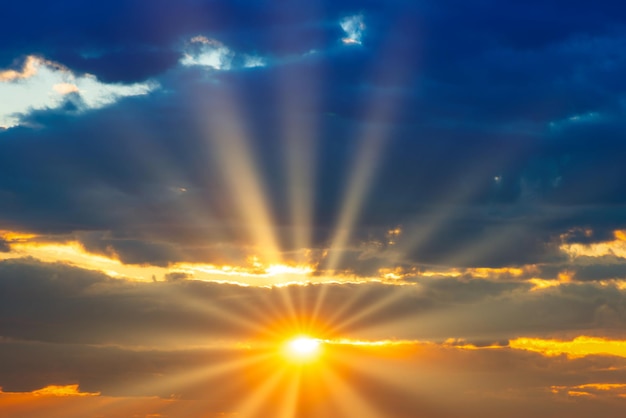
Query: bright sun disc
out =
(303, 348)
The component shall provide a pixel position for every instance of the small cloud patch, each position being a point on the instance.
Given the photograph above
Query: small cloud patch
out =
(354, 27)
(210, 53)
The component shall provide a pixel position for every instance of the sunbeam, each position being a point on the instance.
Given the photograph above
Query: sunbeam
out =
(289, 405)
(299, 131)
(199, 375)
(241, 175)
(259, 399)
(346, 400)
(379, 304)
(446, 207)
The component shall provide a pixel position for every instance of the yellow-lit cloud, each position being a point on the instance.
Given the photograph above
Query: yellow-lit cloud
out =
(68, 401)
(263, 269)
(66, 390)
(486, 272)
(592, 390)
(615, 248)
(578, 347)
(372, 343)
(253, 273)
(563, 277)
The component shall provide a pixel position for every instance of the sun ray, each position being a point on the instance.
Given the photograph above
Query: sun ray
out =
(378, 368)
(241, 175)
(381, 302)
(289, 305)
(453, 202)
(299, 132)
(359, 182)
(213, 310)
(364, 166)
(197, 375)
(289, 404)
(159, 163)
(251, 406)
(346, 399)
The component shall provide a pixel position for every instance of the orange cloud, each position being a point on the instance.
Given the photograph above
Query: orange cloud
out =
(592, 390)
(67, 390)
(564, 277)
(68, 402)
(255, 272)
(578, 347)
(486, 272)
(28, 70)
(615, 248)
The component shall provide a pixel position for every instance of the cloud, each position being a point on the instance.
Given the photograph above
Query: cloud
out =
(58, 390)
(60, 303)
(615, 248)
(176, 276)
(592, 390)
(579, 347)
(46, 85)
(29, 70)
(354, 27)
(208, 53)
(204, 52)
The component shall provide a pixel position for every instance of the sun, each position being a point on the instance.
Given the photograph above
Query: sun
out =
(302, 348)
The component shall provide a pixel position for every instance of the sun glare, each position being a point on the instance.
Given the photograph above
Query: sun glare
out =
(302, 348)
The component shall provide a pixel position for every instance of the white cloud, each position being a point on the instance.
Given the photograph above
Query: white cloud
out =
(251, 61)
(208, 53)
(354, 27)
(43, 84)
(204, 52)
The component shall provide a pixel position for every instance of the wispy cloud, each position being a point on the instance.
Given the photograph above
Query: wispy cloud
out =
(205, 52)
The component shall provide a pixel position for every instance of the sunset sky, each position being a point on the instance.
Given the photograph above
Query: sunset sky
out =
(312, 209)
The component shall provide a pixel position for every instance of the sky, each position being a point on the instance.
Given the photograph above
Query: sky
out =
(312, 209)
